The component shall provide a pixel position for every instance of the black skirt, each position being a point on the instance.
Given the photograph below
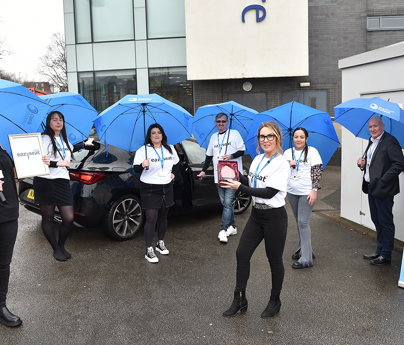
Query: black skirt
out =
(52, 192)
(153, 195)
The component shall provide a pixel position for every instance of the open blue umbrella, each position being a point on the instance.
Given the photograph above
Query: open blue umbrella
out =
(355, 114)
(292, 115)
(21, 111)
(78, 113)
(124, 124)
(240, 117)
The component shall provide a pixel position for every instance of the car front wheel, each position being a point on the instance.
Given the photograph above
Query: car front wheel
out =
(124, 218)
(241, 202)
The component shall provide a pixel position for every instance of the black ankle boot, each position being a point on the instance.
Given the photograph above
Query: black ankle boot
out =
(239, 304)
(272, 309)
(8, 319)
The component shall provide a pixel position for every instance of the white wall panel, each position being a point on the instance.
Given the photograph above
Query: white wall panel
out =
(140, 23)
(71, 58)
(84, 57)
(167, 53)
(142, 79)
(70, 37)
(114, 55)
(141, 54)
(68, 6)
(73, 83)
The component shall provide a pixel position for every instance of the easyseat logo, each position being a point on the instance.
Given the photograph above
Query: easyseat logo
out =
(384, 110)
(134, 99)
(32, 108)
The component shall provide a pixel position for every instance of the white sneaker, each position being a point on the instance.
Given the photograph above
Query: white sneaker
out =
(231, 231)
(150, 256)
(161, 248)
(222, 236)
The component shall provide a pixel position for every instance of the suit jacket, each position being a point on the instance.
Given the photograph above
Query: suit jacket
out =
(387, 163)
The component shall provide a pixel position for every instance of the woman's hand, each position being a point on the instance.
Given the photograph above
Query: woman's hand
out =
(64, 163)
(46, 160)
(230, 184)
(172, 176)
(89, 142)
(226, 157)
(292, 164)
(312, 197)
(146, 163)
(201, 175)
(1, 186)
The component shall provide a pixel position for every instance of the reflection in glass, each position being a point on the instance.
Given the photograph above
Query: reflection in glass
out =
(83, 20)
(172, 84)
(86, 87)
(111, 86)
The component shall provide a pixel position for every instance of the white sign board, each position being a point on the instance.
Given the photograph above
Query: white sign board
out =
(271, 42)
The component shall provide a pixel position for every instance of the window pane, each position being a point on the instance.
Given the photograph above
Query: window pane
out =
(83, 21)
(165, 18)
(86, 87)
(111, 86)
(373, 23)
(392, 22)
(112, 20)
(172, 84)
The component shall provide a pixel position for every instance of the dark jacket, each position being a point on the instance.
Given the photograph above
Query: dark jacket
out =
(387, 163)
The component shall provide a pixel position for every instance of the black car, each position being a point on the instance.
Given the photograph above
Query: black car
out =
(106, 190)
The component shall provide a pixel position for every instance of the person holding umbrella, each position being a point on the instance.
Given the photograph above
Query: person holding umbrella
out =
(54, 189)
(226, 144)
(382, 162)
(155, 161)
(306, 173)
(267, 183)
(9, 212)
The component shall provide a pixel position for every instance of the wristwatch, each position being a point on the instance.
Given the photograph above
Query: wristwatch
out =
(315, 189)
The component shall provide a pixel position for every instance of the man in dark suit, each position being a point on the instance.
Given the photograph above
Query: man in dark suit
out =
(382, 164)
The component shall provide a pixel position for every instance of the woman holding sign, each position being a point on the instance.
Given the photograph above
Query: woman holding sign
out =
(306, 171)
(155, 161)
(8, 233)
(267, 184)
(54, 189)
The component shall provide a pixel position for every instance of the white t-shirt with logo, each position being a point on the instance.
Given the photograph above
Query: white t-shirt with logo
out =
(274, 175)
(302, 183)
(58, 172)
(156, 174)
(217, 148)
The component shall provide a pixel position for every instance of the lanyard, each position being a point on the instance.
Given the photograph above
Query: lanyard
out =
(294, 157)
(162, 156)
(370, 150)
(256, 171)
(63, 145)
(220, 146)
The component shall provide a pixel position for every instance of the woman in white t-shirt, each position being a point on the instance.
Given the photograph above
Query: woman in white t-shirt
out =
(155, 161)
(54, 189)
(306, 171)
(267, 184)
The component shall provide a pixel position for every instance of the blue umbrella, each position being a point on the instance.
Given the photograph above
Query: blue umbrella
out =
(124, 124)
(21, 111)
(78, 113)
(241, 119)
(354, 115)
(292, 115)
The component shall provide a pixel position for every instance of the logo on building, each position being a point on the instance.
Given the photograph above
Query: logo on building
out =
(258, 9)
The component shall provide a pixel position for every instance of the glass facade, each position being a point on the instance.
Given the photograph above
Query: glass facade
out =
(385, 23)
(86, 87)
(83, 21)
(172, 84)
(165, 18)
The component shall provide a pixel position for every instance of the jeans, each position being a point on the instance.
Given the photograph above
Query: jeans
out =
(381, 212)
(302, 211)
(226, 196)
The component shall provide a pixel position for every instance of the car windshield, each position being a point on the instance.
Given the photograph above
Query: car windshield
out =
(195, 153)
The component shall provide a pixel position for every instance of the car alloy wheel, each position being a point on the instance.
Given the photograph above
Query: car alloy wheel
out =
(241, 202)
(124, 218)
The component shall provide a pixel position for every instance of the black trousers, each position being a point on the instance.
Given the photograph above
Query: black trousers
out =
(8, 235)
(270, 225)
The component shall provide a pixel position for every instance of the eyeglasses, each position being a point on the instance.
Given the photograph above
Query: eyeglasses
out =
(221, 121)
(269, 137)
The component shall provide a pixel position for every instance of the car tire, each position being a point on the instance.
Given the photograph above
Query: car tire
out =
(124, 218)
(241, 202)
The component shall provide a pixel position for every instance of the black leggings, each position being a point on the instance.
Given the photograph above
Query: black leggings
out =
(155, 218)
(270, 225)
(67, 215)
(8, 235)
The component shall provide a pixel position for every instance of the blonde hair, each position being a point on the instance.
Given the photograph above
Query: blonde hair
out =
(277, 132)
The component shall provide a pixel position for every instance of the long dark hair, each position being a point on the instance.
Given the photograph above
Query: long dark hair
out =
(163, 141)
(51, 133)
(306, 134)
